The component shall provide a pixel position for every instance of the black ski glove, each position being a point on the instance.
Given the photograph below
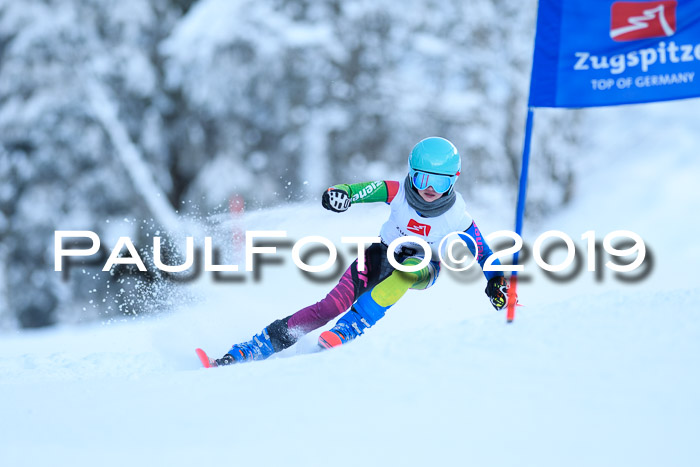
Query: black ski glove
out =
(497, 291)
(335, 200)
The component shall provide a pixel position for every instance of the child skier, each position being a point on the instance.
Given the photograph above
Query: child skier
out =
(424, 205)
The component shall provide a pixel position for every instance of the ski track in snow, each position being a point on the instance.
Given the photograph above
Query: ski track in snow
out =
(590, 373)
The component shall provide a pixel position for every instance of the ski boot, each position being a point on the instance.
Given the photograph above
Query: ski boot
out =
(258, 348)
(363, 314)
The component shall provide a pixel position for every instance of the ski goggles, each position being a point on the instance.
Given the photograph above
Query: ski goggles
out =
(440, 183)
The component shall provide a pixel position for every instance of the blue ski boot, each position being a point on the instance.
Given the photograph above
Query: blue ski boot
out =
(363, 314)
(258, 348)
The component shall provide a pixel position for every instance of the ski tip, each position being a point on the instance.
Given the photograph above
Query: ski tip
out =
(204, 358)
(329, 339)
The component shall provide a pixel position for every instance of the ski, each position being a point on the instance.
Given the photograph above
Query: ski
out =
(328, 340)
(204, 358)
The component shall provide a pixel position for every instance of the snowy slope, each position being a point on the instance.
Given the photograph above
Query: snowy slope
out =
(590, 373)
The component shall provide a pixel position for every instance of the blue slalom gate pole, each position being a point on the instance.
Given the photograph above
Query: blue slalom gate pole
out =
(520, 210)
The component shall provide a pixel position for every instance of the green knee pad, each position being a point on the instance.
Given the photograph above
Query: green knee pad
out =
(391, 289)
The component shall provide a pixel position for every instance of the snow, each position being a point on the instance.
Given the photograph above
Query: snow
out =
(590, 373)
(133, 162)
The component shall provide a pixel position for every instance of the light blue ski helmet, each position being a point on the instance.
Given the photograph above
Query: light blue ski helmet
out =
(438, 157)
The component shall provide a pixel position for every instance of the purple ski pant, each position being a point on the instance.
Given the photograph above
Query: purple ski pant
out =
(352, 284)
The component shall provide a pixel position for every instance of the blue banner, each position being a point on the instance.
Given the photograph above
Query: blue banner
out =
(603, 52)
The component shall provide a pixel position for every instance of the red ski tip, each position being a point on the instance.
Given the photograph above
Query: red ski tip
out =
(329, 339)
(204, 358)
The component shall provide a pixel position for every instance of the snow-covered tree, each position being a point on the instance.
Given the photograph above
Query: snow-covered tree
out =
(142, 109)
(67, 67)
(300, 94)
